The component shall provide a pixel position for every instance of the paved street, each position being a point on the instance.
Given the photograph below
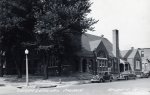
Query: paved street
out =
(130, 87)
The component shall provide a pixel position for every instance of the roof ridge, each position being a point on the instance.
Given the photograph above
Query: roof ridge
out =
(92, 34)
(133, 53)
(128, 53)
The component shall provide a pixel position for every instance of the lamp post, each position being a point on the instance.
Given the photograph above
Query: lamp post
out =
(27, 76)
(145, 66)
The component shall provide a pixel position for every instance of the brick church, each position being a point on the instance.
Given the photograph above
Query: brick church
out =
(98, 54)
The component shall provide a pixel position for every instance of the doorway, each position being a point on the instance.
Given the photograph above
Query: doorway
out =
(121, 67)
(84, 65)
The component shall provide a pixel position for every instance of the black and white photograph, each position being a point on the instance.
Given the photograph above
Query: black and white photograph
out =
(74, 47)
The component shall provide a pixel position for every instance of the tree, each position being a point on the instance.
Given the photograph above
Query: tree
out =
(60, 20)
(16, 27)
(52, 25)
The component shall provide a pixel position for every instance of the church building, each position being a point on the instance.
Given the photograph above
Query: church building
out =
(98, 54)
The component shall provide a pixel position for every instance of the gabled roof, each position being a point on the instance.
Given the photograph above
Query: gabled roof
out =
(107, 44)
(123, 53)
(133, 53)
(128, 53)
(90, 42)
(86, 39)
(94, 44)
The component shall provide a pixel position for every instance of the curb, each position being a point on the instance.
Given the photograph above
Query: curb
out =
(36, 86)
(2, 85)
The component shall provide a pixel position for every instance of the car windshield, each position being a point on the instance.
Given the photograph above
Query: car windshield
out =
(125, 72)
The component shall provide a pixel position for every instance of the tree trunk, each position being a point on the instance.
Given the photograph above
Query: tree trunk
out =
(19, 74)
(45, 67)
(1, 69)
(1, 66)
(18, 66)
(45, 72)
(18, 59)
(60, 66)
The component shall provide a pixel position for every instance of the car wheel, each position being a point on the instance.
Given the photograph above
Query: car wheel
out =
(110, 80)
(126, 78)
(104, 80)
(134, 77)
(101, 80)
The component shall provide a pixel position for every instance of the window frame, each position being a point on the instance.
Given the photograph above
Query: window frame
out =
(137, 65)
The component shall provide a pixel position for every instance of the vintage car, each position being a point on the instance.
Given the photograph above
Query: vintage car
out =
(144, 75)
(126, 75)
(102, 77)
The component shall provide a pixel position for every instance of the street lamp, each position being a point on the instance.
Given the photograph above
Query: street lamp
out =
(145, 66)
(27, 76)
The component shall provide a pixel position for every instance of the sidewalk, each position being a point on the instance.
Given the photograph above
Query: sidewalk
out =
(38, 82)
(11, 84)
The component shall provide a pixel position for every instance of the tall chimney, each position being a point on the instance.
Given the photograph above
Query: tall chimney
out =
(132, 48)
(116, 43)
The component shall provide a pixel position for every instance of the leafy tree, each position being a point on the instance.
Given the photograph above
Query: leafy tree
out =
(53, 25)
(63, 22)
(16, 27)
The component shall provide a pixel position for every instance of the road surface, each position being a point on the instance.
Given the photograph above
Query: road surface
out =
(129, 87)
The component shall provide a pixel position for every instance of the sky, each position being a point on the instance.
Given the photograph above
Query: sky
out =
(130, 17)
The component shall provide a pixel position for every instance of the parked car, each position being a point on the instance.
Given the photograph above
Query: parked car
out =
(126, 75)
(145, 75)
(102, 77)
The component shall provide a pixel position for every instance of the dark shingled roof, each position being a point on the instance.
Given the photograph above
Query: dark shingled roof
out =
(107, 44)
(90, 42)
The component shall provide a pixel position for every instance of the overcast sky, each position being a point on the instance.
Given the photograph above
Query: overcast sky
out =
(130, 17)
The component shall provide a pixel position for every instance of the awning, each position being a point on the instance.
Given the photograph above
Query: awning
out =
(123, 62)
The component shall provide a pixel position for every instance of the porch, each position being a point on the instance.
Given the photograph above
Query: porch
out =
(124, 66)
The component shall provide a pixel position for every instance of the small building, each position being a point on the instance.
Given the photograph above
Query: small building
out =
(145, 55)
(133, 57)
